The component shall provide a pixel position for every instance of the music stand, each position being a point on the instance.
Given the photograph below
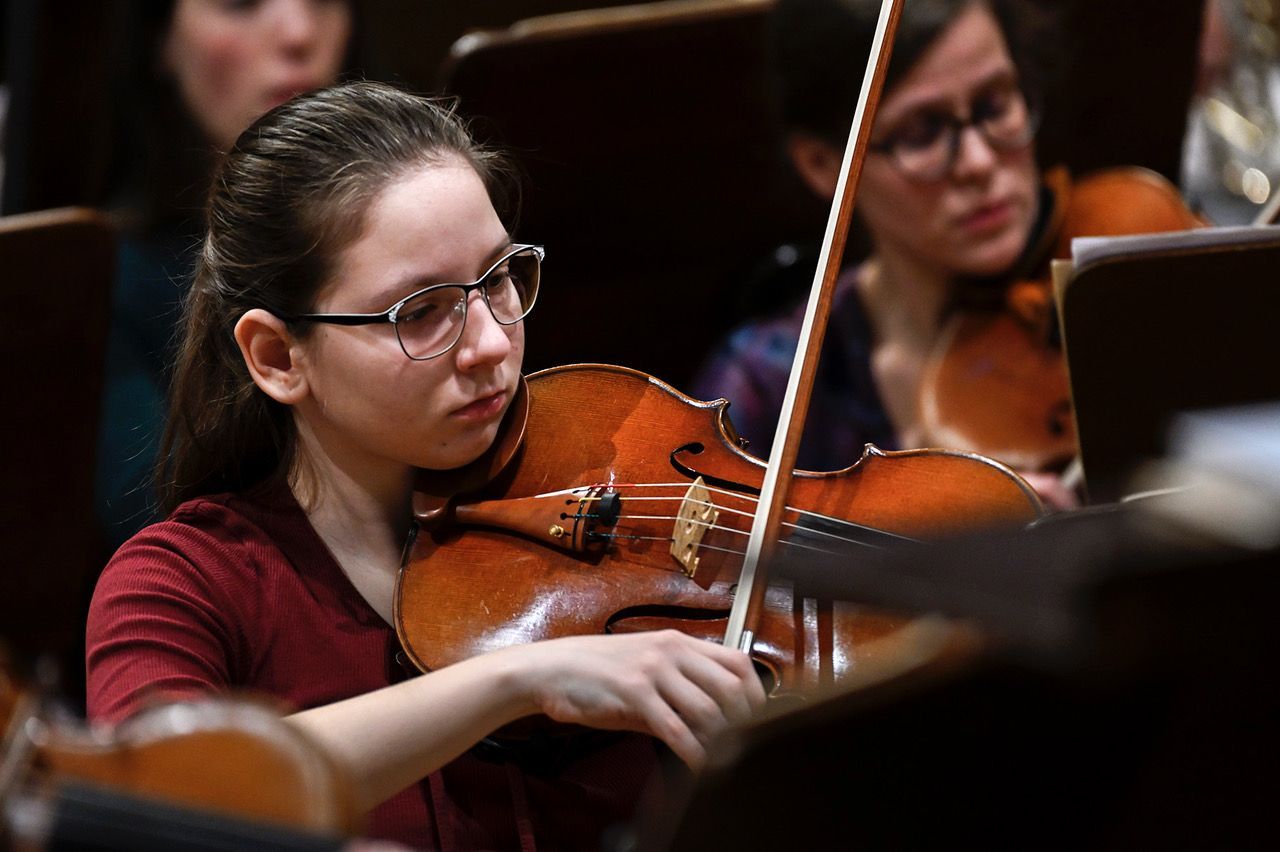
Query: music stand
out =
(1156, 325)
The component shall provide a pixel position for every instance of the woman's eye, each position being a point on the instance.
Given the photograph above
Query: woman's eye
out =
(426, 307)
(992, 105)
(921, 132)
(413, 313)
(498, 279)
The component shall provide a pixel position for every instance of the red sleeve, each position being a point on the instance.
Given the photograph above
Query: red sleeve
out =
(163, 622)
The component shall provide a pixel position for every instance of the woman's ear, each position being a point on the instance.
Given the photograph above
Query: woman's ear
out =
(817, 162)
(270, 353)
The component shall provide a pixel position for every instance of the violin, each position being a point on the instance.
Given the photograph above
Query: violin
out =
(207, 774)
(996, 380)
(613, 503)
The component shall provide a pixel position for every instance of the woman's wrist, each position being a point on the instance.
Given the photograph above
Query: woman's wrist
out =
(516, 685)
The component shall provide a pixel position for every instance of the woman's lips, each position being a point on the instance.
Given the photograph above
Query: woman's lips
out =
(989, 217)
(484, 408)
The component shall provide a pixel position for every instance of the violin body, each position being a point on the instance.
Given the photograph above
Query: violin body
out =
(508, 566)
(996, 382)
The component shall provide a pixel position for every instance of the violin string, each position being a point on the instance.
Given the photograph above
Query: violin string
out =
(681, 498)
(694, 521)
(736, 531)
(746, 532)
(600, 535)
(668, 540)
(684, 487)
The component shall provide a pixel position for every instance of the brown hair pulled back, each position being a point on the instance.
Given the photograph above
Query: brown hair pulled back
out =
(287, 199)
(816, 44)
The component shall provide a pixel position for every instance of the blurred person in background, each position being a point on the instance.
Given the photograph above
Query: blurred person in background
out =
(205, 69)
(951, 198)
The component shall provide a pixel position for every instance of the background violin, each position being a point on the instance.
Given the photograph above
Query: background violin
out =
(996, 381)
(209, 774)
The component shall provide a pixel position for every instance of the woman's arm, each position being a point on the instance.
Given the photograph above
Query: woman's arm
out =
(170, 614)
(682, 690)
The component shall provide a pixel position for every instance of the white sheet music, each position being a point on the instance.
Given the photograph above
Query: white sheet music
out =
(1086, 251)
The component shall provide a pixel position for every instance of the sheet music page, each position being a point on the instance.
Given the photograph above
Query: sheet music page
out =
(1086, 251)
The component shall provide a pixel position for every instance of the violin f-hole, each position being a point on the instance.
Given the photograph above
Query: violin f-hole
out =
(695, 448)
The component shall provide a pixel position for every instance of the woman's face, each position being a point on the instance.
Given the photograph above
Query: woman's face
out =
(235, 59)
(975, 218)
(370, 402)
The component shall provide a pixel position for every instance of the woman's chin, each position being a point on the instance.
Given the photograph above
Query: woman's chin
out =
(461, 451)
(992, 259)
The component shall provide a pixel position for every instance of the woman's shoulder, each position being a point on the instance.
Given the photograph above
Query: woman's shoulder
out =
(182, 606)
(755, 358)
(779, 331)
(221, 541)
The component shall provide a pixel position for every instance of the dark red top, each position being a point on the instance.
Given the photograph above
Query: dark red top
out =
(239, 592)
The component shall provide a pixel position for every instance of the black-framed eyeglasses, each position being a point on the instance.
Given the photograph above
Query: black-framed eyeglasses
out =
(430, 322)
(926, 144)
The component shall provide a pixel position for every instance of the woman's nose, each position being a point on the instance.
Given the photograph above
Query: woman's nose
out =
(975, 156)
(484, 341)
(296, 24)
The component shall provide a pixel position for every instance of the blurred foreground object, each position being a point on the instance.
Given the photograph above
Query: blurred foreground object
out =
(1132, 703)
(212, 774)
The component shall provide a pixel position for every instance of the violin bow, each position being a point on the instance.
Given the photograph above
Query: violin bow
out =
(767, 525)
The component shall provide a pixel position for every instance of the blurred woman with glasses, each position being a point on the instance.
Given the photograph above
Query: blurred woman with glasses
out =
(951, 200)
(357, 313)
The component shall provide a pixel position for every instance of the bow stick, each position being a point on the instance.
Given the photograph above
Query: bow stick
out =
(766, 527)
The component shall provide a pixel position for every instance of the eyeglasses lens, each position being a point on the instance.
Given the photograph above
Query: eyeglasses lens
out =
(927, 146)
(512, 288)
(1005, 120)
(429, 324)
(432, 322)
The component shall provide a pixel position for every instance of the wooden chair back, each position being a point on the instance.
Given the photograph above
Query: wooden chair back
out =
(57, 269)
(655, 174)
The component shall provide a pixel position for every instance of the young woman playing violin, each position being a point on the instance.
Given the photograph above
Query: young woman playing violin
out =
(950, 197)
(328, 354)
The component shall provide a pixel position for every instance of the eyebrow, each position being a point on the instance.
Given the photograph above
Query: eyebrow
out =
(1003, 74)
(413, 283)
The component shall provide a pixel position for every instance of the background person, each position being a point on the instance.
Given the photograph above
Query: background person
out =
(205, 71)
(951, 200)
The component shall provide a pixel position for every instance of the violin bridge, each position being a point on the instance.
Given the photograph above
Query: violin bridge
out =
(697, 515)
